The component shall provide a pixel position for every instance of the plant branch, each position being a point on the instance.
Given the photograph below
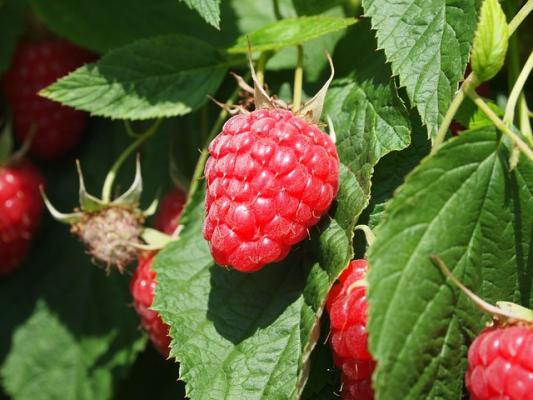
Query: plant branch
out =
(298, 78)
(111, 175)
(520, 16)
(448, 118)
(508, 117)
(517, 141)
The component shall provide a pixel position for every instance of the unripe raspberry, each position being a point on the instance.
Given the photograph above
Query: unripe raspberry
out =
(270, 177)
(500, 364)
(142, 289)
(110, 235)
(347, 308)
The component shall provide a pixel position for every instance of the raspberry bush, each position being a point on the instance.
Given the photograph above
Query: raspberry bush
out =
(332, 136)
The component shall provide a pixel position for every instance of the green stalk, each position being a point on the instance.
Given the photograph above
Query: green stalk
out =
(448, 118)
(298, 79)
(520, 16)
(517, 141)
(261, 63)
(517, 90)
(111, 175)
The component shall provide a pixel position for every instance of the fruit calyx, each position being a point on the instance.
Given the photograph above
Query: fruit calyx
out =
(310, 111)
(111, 230)
(504, 313)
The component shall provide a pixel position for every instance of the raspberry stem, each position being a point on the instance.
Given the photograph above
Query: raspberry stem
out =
(298, 78)
(110, 178)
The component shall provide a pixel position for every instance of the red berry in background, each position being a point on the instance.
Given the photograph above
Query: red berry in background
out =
(347, 308)
(270, 177)
(35, 65)
(500, 364)
(142, 289)
(21, 209)
(170, 208)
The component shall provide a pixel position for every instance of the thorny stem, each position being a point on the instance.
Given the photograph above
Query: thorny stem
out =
(199, 169)
(111, 175)
(298, 78)
(508, 117)
(459, 96)
(499, 123)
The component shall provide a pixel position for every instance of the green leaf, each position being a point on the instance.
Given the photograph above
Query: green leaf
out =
(68, 330)
(151, 78)
(490, 41)
(208, 9)
(101, 25)
(427, 43)
(11, 27)
(463, 205)
(290, 32)
(369, 118)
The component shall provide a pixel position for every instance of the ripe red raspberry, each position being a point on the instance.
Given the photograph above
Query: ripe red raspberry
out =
(36, 65)
(347, 308)
(270, 177)
(500, 364)
(170, 209)
(21, 209)
(142, 288)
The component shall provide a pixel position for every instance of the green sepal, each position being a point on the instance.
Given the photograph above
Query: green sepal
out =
(490, 41)
(88, 203)
(516, 311)
(133, 194)
(155, 240)
(68, 219)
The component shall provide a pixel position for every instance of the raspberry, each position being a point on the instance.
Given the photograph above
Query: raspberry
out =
(142, 288)
(270, 177)
(20, 213)
(36, 65)
(500, 364)
(347, 308)
(170, 209)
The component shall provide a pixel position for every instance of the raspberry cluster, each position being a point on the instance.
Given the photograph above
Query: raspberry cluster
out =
(270, 177)
(347, 308)
(21, 209)
(500, 364)
(35, 65)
